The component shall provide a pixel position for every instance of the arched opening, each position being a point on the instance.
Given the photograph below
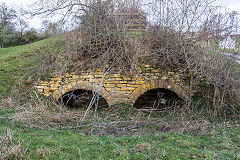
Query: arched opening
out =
(159, 99)
(80, 98)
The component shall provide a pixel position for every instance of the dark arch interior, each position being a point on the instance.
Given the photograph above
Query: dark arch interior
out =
(157, 98)
(81, 99)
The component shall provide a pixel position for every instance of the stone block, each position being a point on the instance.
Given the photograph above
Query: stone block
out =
(127, 89)
(91, 80)
(109, 85)
(126, 79)
(118, 79)
(140, 79)
(99, 70)
(132, 85)
(140, 82)
(107, 76)
(122, 85)
(99, 75)
(73, 83)
(109, 89)
(121, 92)
(40, 89)
(75, 77)
(67, 75)
(53, 89)
(55, 85)
(116, 75)
(122, 82)
(56, 79)
(90, 76)
(147, 66)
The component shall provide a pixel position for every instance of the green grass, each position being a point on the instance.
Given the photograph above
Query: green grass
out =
(63, 144)
(217, 142)
(16, 63)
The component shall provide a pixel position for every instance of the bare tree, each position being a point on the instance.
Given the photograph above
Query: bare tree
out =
(6, 25)
(168, 38)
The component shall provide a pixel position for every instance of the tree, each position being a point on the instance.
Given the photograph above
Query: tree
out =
(6, 25)
(166, 42)
(51, 28)
(30, 36)
(21, 27)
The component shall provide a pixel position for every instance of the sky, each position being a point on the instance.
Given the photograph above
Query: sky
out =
(35, 22)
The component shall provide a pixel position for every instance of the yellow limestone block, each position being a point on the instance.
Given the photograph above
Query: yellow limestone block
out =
(117, 75)
(108, 89)
(75, 77)
(172, 80)
(136, 93)
(53, 89)
(99, 73)
(90, 76)
(132, 85)
(140, 82)
(118, 79)
(152, 85)
(80, 83)
(91, 80)
(122, 85)
(73, 83)
(127, 79)
(39, 87)
(121, 92)
(40, 90)
(68, 75)
(109, 85)
(84, 76)
(147, 66)
(55, 85)
(140, 79)
(96, 80)
(107, 76)
(56, 79)
(127, 89)
(122, 82)
(99, 69)
(46, 92)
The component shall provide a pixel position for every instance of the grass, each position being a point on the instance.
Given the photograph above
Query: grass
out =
(218, 143)
(17, 61)
(219, 140)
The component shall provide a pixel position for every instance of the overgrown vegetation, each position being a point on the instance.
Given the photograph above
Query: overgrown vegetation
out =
(33, 126)
(14, 30)
(117, 36)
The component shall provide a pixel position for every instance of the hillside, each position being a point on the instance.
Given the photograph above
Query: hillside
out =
(29, 125)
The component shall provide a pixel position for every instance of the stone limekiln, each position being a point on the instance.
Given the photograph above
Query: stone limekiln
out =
(116, 87)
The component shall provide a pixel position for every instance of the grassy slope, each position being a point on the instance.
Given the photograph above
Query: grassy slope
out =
(219, 143)
(15, 62)
(56, 144)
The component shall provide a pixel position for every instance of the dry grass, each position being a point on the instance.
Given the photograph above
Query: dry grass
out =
(9, 147)
(36, 111)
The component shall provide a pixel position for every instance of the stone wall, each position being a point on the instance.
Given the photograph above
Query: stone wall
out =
(117, 87)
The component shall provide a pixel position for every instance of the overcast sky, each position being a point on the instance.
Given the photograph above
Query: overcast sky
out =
(36, 22)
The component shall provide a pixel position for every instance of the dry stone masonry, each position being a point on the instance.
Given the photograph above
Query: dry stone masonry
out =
(116, 88)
